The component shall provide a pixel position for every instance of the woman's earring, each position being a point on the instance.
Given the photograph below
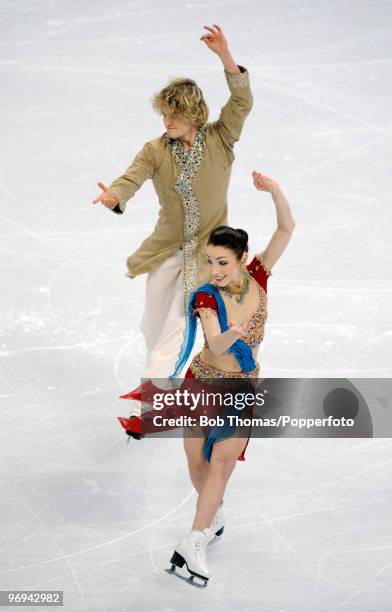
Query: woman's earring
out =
(244, 269)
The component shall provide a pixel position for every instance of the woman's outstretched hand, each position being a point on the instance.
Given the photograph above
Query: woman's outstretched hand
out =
(215, 40)
(107, 197)
(240, 329)
(263, 182)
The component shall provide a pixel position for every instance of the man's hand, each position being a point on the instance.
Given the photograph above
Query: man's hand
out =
(216, 40)
(107, 197)
(264, 183)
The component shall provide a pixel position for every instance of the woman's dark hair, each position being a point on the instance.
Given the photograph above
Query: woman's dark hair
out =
(234, 239)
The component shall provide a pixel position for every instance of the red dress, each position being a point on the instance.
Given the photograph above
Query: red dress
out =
(202, 371)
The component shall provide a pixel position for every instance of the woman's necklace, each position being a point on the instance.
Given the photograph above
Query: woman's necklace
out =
(237, 293)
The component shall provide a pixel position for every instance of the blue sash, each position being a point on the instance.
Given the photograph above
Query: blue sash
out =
(241, 351)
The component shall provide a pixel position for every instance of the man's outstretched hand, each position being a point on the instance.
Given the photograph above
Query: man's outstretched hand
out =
(107, 197)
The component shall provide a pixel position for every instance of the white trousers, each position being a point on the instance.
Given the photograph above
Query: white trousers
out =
(163, 322)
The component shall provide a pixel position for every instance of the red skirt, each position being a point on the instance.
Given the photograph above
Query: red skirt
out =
(241, 457)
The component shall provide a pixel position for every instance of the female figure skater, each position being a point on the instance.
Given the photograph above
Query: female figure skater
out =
(233, 310)
(184, 163)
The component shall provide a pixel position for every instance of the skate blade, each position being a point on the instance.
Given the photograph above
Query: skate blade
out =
(217, 536)
(192, 580)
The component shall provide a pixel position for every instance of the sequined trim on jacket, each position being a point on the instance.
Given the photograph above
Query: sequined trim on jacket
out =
(237, 80)
(189, 161)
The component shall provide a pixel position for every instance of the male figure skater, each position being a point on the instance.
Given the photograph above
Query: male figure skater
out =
(190, 166)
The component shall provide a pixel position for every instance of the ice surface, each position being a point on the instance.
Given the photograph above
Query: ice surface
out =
(309, 520)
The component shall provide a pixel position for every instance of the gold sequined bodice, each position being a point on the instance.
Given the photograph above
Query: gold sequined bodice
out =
(255, 333)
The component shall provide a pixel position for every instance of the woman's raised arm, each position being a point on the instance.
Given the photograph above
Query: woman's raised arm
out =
(282, 235)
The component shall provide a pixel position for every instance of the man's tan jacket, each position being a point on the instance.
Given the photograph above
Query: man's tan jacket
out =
(191, 186)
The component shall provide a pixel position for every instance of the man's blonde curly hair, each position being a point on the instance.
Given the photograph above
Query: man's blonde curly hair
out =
(182, 97)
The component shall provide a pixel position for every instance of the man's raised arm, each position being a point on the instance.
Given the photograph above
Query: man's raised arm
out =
(237, 108)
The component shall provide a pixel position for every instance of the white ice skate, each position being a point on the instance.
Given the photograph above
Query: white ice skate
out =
(192, 552)
(215, 530)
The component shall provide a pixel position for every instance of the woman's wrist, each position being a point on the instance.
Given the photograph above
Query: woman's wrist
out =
(233, 334)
